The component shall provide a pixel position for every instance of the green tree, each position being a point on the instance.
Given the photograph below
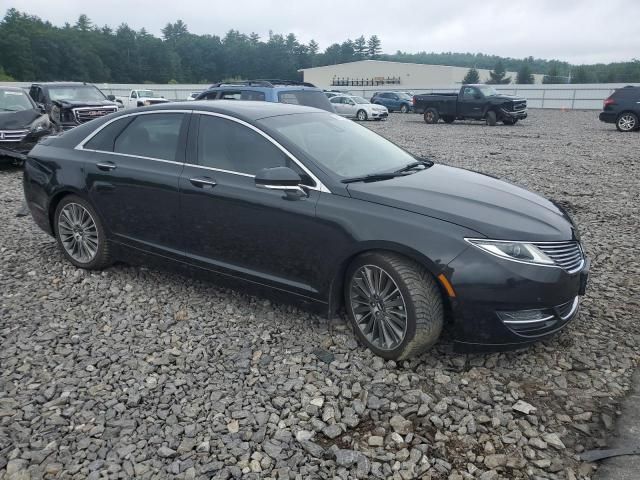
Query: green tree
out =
(472, 76)
(374, 47)
(497, 76)
(524, 75)
(360, 47)
(581, 74)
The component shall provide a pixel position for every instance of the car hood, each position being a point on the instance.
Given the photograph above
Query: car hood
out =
(74, 104)
(18, 120)
(155, 99)
(512, 98)
(491, 207)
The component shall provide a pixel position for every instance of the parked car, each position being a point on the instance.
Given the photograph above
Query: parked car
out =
(278, 91)
(623, 109)
(142, 98)
(394, 101)
(70, 104)
(352, 106)
(22, 124)
(472, 102)
(193, 95)
(290, 200)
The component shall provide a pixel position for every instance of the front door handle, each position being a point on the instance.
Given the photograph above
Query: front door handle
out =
(203, 182)
(106, 166)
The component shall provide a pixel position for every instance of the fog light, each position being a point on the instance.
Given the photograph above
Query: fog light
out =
(526, 316)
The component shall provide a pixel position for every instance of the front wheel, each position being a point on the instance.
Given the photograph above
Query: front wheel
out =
(361, 115)
(394, 305)
(80, 234)
(491, 118)
(627, 122)
(431, 115)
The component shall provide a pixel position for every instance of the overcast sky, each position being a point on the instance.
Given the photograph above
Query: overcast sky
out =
(578, 31)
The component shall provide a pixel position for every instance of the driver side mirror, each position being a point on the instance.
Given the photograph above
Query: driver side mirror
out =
(281, 178)
(41, 107)
(111, 97)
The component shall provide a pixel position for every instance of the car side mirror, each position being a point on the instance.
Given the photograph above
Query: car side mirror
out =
(111, 97)
(41, 107)
(281, 178)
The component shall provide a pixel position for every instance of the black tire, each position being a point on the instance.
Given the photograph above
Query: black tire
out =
(491, 118)
(404, 108)
(448, 119)
(102, 257)
(627, 122)
(421, 297)
(431, 116)
(361, 115)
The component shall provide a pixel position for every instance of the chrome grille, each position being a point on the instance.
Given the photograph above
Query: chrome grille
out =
(567, 255)
(517, 106)
(12, 135)
(85, 114)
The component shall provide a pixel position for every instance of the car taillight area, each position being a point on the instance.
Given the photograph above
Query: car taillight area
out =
(607, 102)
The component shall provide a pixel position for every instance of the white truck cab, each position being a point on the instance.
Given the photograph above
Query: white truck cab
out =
(142, 98)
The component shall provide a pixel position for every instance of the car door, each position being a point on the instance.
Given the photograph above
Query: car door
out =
(394, 101)
(232, 227)
(339, 105)
(471, 103)
(350, 107)
(133, 98)
(133, 174)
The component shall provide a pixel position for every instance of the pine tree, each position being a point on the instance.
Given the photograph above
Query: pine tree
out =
(472, 76)
(360, 47)
(524, 75)
(498, 75)
(374, 47)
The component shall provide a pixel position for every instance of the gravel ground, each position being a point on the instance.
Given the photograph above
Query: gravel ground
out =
(137, 373)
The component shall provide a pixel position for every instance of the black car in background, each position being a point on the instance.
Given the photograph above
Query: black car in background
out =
(70, 104)
(623, 109)
(22, 124)
(295, 200)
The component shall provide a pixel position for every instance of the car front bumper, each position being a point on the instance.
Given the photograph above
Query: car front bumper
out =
(607, 117)
(18, 150)
(517, 115)
(379, 114)
(486, 286)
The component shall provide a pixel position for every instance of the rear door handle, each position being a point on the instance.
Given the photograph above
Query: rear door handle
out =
(203, 182)
(106, 166)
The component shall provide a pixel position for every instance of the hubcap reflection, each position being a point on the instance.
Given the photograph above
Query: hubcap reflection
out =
(78, 233)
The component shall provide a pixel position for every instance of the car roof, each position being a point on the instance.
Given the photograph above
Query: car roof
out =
(63, 84)
(245, 110)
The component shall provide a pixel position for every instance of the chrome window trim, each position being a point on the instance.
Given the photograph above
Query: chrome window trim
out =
(319, 185)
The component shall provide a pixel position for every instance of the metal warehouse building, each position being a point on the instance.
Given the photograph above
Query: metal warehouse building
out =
(391, 75)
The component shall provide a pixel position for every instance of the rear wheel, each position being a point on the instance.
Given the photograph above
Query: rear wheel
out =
(491, 118)
(404, 108)
(431, 115)
(80, 234)
(361, 115)
(394, 305)
(627, 122)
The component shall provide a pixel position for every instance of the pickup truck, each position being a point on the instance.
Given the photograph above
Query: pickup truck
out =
(473, 102)
(142, 98)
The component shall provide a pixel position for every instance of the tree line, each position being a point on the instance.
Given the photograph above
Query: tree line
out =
(34, 49)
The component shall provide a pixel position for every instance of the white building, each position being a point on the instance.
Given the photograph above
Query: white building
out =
(392, 75)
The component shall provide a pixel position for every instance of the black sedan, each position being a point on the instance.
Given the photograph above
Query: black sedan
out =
(22, 124)
(297, 201)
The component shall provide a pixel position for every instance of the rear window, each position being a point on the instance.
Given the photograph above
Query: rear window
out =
(309, 98)
(627, 93)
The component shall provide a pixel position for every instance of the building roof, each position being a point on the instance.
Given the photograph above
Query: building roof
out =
(382, 62)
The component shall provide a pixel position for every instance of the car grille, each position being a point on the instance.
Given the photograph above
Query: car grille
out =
(13, 135)
(85, 114)
(567, 255)
(518, 106)
(554, 319)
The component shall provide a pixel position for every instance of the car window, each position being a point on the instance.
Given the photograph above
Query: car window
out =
(105, 139)
(231, 95)
(252, 95)
(210, 96)
(337, 100)
(154, 136)
(134, 94)
(469, 93)
(310, 98)
(231, 146)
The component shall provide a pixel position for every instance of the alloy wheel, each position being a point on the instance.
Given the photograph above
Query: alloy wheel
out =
(378, 307)
(362, 116)
(627, 122)
(78, 233)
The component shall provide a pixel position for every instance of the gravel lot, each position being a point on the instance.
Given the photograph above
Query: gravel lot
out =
(137, 373)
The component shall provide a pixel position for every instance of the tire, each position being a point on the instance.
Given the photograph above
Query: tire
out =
(421, 303)
(361, 115)
(404, 108)
(627, 122)
(509, 121)
(95, 236)
(449, 119)
(431, 116)
(491, 118)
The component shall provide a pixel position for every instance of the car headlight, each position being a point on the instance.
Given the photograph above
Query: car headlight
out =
(516, 251)
(40, 124)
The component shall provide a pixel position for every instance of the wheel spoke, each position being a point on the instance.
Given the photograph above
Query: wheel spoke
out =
(78, 233)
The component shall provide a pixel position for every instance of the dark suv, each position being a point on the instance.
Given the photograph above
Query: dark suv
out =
(623, 109)
(70, 104)
(277, 91)
(400, 101)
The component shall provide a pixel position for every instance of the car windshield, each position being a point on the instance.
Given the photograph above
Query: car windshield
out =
(14, 101)
(78, 94)
(360, 100)
(146, 93)
(487, 90)
(338, 145)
